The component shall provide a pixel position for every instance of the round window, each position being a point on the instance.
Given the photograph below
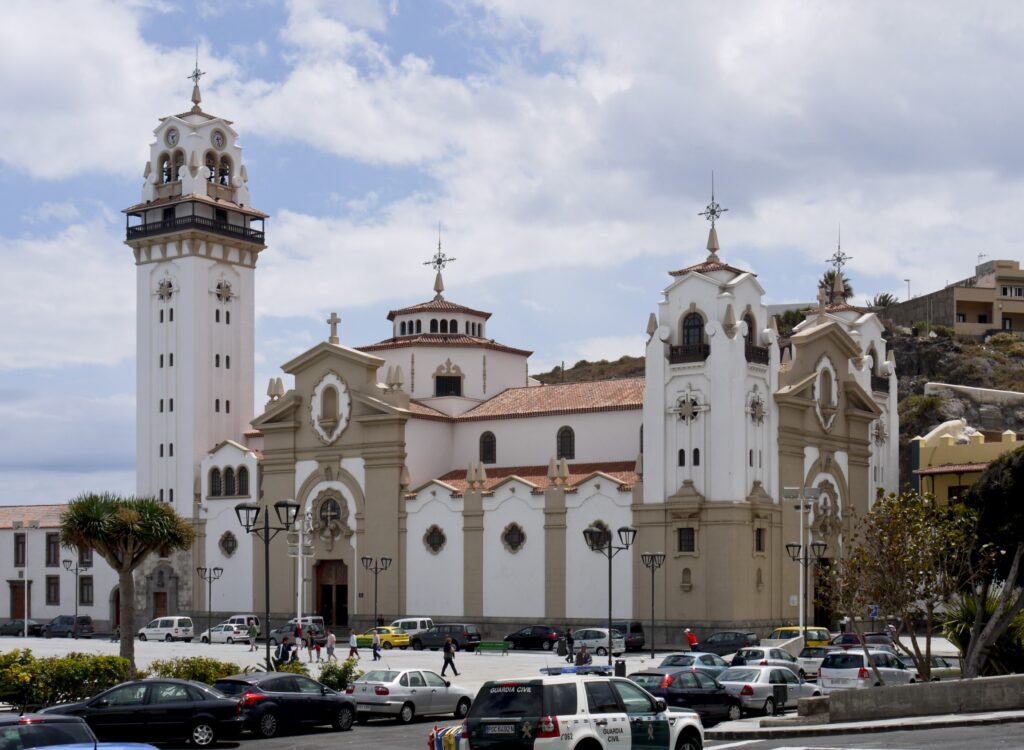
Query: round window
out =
(513, 537)
(434, 539)
(330, 511)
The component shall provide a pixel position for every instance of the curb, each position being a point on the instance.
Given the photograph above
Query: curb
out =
(825, 730)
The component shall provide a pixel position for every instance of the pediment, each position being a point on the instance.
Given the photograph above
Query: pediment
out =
(829, 336)
(334, 353)
(279, 413)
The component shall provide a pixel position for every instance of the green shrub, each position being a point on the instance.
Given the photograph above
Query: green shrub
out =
(339, 675)
(26, 681)
(293, 667)
(198, 668)
(1007, 654)
(943, 331)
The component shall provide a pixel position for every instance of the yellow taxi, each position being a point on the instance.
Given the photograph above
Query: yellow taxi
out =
(389, 638)
(816, 636)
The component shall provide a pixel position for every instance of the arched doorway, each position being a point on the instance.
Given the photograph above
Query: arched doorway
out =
(332, 592)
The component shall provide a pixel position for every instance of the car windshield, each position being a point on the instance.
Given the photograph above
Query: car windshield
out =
(750, 653)
(230, 687)
(845, 660)
(738, 674)
(783, 634)
(508, 699)
(380, 675)
(677, 660)
(616, 633)
(46, 734)
(647, 680)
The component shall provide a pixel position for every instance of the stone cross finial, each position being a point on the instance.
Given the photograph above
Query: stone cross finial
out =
(333, 322)
(822, 298)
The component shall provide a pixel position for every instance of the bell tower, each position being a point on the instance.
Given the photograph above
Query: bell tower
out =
(195, 239)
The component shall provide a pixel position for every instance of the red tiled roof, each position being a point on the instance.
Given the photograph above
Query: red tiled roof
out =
(47, 516)
(426, 412)
(441, 339)
(708, 266)
(438, 305)
(220, 202)
(951, 469)
(253, 433)
(566, 398)
(623, 471)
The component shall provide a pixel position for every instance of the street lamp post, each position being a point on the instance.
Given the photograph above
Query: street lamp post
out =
(652, 561)
(600, 540)
(76, 569)
(209, 575)
(805, 555)
(249, 517)
(801, 494)
(376, 568)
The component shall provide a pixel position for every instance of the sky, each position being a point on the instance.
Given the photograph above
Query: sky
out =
(565, 148)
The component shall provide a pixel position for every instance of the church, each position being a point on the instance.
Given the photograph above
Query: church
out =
(433, 447)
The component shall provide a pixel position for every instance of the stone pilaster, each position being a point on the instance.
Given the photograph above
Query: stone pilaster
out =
(473, 552)
(554, 552)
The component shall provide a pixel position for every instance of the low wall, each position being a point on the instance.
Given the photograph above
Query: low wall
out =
(927, 699)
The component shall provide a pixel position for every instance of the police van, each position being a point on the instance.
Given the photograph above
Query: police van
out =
(572, 711)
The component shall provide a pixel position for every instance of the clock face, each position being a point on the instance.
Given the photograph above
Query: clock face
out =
(218, 139)
(171, 138)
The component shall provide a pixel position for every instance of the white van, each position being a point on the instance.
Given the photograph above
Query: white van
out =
(413, 625)
(167, 629)
(243, 621)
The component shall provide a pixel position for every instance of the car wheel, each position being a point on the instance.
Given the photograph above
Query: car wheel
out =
(142, 637)
(546, 645)
(417, 646)
(407, 714)
(344, 718)
(689, 741)
(735, 712)
(601, 651)
(462, 708)
(387, 646)
(769, 706)
(167, 638)
(230, 639)
(273, 642)
(203, 734)
(268, 725)
(205, 639)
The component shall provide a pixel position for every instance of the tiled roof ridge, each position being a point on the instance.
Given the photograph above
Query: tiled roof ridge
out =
(441, 339)
(708, 266)
(441, 305)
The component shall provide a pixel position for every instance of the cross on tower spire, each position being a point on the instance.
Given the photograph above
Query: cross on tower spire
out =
(333, 323)
(196, 75)
(712, 212)
(438, 263)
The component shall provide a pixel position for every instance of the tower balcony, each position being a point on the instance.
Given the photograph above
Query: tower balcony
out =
(202, 223)
(688, 353)
(757, 354)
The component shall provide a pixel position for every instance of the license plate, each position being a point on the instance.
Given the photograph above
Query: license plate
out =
(500, 729)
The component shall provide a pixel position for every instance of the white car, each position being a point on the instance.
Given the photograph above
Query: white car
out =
(755, 687)
(404, 694)
(596, 641)
(224, 634)
(167, 629)
(810, 659)
(846, 670)
(568, 711)
(767, 656)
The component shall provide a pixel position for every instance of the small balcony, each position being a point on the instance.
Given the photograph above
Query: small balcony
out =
(757, 354)
(880, 383)
(202, 223)
(687, 353)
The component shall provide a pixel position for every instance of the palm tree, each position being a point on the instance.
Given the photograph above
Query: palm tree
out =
(124, 531)
(883, 300)
(829, 279)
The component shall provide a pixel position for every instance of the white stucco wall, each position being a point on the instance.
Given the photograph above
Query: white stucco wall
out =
(513, 581)
(486, 372)
(587, 571)
(434, 584)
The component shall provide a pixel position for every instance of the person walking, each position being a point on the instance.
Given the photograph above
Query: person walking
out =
(691, 639)
(332, 641)
(309, 645)
(844, 623)
(252, 632)
(569, 641)
(353, 646)
(376, 646)
(583, 656)
(449, 657)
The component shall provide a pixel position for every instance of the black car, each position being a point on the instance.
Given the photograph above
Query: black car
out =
(63, 626)
(17, 627)
(534, 636)
(728, 642)
(159, 709)
(43, 730)
(273, 700)
(632, 632)
(463, 636)
(693, 689)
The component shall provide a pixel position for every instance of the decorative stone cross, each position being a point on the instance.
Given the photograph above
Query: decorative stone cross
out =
(333, 322)
(688, 409)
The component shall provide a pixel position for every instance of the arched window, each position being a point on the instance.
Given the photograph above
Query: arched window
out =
(224, 171)
(227, 317)
(216, 360)
(329, 404)
(488, 448)
(227, 406)
(826, 388)
(161, 316)
(243, 481)
(696, 456)
(216, 488)
(750, 458)
(161, 450)
(453, 326)
(170, 359)
(179, 164)
(170, 495)
(229, 482)
(875, 364)
(693, 329)
(210, 161)
(216, 404)
(419, 326)
(161, 495)
(682, 457)
(227, 361)
(170, 315)
(165, 168)
(444, 326)
(566, 443)
(433, 325)
(641, 438)
(749, 320)
(401, 329)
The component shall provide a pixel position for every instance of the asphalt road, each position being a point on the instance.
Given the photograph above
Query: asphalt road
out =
(988, 737)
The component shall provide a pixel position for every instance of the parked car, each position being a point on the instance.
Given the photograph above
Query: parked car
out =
(566, 711)
(815, 636)
(17, 627)
(407, 693)
(688, 688)
(463, 636)
(164, 708)
(167, 629)
(633, 633)
(596, 641)
(943, 667)
(766, 656)
(755, 687)
(273, 701)
(727, 642)
(535, 636)
(316, 624)
(810, 659)
(242, 621)
(845, 670)
(54, 730)
(224, 634)
(63, 626)
(413, 625)
(711, 664)
(389, 638)
(873, 640)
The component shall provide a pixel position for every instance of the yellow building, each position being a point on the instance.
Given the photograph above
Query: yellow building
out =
(949, 459)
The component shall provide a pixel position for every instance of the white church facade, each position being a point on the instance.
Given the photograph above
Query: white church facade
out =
(434, 447)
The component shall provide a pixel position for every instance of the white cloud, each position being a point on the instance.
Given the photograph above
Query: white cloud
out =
(44, 213)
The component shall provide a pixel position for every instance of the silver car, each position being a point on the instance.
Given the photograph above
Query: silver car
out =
(404, 694)
(596, 641)
(711, 664)
(224, 633)
(766, 656)
(755, 687)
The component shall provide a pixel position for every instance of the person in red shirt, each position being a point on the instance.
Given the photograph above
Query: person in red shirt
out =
(691, 638)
